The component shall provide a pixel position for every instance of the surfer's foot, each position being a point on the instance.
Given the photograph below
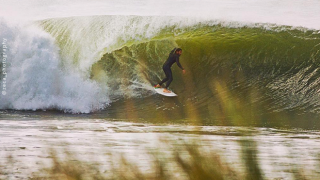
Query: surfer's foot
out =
(166, 91)
(157, 86)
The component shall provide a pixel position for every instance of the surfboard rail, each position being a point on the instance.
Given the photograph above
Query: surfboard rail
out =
(160, 91)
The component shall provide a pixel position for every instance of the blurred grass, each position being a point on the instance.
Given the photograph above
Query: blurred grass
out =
(193, 166)
(186, 162)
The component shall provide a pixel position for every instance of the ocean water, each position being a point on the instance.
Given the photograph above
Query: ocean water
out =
(258, 60)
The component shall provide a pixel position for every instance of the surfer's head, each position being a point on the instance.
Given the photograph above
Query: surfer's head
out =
(179, 51)
(176, 51)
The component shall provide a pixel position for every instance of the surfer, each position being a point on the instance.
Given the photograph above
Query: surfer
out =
(173, 57)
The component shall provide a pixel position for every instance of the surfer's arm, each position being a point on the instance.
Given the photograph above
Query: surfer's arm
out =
(178, 63)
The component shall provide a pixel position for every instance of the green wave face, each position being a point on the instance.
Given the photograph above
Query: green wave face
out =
(234, 73)
(229, 70)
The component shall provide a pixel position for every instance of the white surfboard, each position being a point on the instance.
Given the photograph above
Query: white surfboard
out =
(160, 91)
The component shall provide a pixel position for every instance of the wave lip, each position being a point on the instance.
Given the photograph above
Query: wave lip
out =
(297, 13)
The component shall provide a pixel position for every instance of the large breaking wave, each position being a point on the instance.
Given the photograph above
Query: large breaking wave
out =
(83, 64)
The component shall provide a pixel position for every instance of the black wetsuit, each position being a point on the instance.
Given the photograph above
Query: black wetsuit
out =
(173, 57)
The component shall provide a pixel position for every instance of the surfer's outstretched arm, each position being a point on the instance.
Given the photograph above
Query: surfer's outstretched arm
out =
(178, 63)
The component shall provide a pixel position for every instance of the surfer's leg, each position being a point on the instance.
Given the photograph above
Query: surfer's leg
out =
(169, 76)
(167, 71)
(163, 81)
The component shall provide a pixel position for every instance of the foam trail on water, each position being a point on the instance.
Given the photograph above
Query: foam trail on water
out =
(37, 80)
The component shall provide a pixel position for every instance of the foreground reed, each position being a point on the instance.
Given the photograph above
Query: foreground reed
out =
(187, 162)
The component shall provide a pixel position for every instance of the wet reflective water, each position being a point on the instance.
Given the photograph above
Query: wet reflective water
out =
(279, 151)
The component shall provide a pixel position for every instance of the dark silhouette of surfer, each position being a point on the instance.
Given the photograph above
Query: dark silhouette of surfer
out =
(173, 57)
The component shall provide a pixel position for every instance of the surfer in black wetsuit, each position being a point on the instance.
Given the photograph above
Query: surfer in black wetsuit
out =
(173, 57)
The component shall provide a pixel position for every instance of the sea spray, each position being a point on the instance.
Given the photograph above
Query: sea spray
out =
(36, 79)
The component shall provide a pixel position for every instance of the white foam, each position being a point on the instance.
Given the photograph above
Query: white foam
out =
(37, 80)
